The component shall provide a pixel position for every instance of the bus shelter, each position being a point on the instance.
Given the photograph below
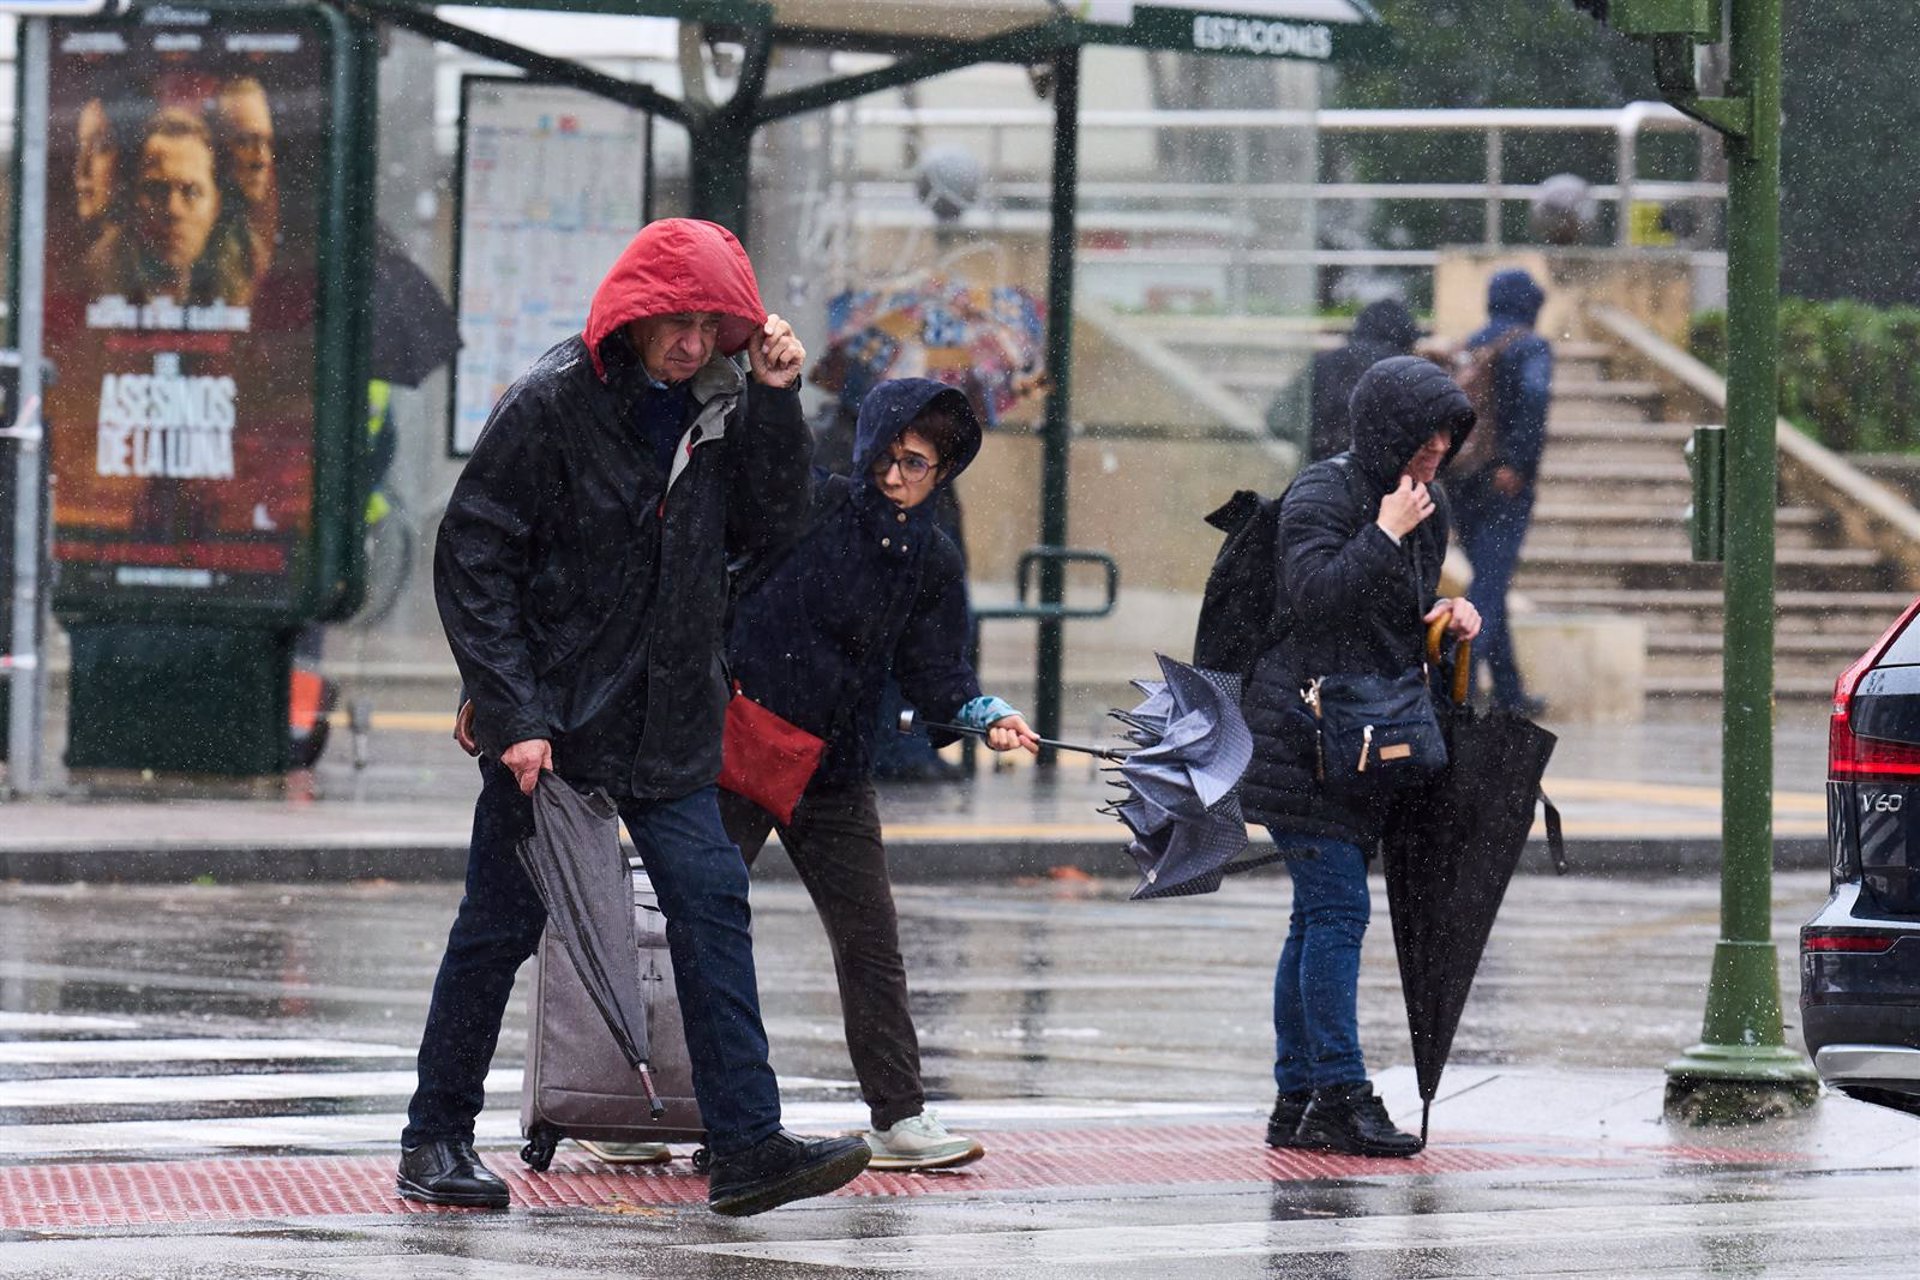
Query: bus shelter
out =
(923, 39)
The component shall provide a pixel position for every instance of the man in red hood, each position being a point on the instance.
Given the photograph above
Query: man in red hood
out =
(581, 575)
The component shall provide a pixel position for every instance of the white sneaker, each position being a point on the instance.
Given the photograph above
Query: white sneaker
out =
(921, 1142)
(627, 1152)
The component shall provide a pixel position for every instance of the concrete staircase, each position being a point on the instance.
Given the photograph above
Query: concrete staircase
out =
(1609, 536)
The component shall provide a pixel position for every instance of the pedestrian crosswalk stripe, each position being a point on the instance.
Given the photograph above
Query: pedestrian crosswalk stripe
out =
(18, 1053)
(132, 1091)
(14, 1022)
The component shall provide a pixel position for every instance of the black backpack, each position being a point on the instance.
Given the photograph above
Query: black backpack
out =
(1243, 611)
(1237, 611)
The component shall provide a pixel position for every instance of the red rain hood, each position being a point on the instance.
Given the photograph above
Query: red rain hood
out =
(678, 265)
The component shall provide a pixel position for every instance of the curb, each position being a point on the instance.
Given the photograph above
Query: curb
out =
(433, 860)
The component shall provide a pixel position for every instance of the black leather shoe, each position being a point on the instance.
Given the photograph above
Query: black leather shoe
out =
(449, 1173)
(1350, 1119)
(782, 1168)
(1284, 1123)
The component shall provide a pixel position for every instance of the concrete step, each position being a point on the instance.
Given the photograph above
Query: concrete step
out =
(1610, 390)
(1626, 431)
(1562, 412)
(1840, 647)
(1855, 613)
(1599, 528)
(1688, 689)
(1662, 568)
(1616, 472)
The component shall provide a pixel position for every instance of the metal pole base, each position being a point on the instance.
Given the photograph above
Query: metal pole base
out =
(1730, 1084)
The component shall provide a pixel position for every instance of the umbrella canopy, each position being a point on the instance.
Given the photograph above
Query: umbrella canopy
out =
(988, 342)
(575, 862)
(1179, 799)
(414, 328)
(1449, 851)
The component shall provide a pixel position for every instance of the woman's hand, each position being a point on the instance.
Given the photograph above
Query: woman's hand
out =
(1463, 620)
(1402, 510)
(1009, 733)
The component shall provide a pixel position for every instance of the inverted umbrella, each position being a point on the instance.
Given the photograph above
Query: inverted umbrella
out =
(1449, 849)
(414, 328)
(1178, 786)
(575, 862)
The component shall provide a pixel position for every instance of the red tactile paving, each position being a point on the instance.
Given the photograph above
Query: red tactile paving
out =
(235, 1189)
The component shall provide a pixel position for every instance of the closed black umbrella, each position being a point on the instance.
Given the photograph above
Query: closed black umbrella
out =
(1449, 850)
(575, 862)
(414, 328)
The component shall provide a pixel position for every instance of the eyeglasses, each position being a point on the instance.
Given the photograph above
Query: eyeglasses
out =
(913, 467)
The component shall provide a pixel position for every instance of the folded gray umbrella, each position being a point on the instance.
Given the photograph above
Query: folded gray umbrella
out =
(575, 862)
(1179, 799)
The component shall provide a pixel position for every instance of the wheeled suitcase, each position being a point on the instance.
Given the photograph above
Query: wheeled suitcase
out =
(578, 1083)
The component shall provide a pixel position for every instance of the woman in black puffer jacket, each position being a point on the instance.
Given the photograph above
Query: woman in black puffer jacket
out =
(1362, 538)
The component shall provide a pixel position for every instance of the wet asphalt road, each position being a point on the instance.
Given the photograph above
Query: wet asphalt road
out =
(1054, 1017)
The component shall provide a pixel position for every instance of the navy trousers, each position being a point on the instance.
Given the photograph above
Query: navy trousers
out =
(702, 885)
(1492, 526)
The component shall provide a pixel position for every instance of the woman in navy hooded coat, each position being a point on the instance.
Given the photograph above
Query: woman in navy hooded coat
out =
(874, 585)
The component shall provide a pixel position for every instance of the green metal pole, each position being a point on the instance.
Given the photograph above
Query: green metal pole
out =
(720, 147)
(1055, 433)
(1742, 1069)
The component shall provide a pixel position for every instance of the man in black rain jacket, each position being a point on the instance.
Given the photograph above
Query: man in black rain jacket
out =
(581, 574)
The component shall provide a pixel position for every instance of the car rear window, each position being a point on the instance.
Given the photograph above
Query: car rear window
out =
(1905, 649)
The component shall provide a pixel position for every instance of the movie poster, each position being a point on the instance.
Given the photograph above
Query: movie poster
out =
(187, 162)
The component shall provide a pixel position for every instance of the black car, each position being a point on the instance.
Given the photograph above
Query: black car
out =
(1860, 956)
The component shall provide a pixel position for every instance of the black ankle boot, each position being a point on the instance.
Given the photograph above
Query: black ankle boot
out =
(1285, 1120)
(1350, 1119)
(782, 1168)
(448, 1172)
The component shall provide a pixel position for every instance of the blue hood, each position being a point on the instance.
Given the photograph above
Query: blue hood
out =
(1514, 295)
(892, 405)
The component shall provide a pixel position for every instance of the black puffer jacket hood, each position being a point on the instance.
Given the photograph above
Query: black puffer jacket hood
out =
(1396, 408)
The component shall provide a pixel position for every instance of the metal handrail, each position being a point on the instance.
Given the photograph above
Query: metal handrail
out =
(1023, 576)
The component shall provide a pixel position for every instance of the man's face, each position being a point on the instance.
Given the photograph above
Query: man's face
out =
(674, 348)
(93, 163)
(1426, 463)
(246, 138)
(177, 199)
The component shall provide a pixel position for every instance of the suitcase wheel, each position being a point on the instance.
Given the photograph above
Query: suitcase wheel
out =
(541, 1144)
(702, 1160)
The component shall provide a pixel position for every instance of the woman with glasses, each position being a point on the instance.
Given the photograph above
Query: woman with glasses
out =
(874, 585)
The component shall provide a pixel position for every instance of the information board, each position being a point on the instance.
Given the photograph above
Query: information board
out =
(552, 185)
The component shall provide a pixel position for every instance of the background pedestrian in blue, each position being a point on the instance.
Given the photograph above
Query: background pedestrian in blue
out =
(1493, 503)
(1362, 538)
(875, 586)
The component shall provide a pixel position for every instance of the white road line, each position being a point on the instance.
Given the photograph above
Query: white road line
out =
(1037, 1252)
(499, 1126)
(27, 1053)
(13, 1021)
(137, 1091)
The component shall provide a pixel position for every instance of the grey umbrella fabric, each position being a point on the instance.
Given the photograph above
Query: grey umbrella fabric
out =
(1179, 799)
(576, 864)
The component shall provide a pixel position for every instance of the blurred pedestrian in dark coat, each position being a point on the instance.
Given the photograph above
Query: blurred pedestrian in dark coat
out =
(1386, 328)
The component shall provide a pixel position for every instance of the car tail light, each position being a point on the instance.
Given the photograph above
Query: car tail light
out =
(1851, 758)
(1853, 943)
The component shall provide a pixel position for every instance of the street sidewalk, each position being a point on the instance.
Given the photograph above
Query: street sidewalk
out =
(1636, 799)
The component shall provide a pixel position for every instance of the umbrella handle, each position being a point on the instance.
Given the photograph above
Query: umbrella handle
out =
(1462, 682)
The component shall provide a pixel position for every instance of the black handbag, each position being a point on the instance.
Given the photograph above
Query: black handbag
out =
(1377, 734)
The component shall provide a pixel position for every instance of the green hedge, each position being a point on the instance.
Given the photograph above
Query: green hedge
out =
(1849, 373)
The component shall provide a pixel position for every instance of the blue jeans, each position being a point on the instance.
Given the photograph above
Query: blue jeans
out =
(1316, 1022)
(1492, 526)
(702, 884)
